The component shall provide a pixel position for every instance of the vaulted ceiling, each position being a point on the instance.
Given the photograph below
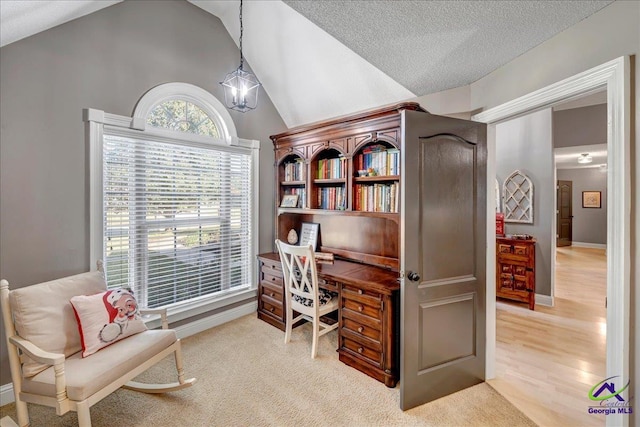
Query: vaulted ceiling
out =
(321, 59)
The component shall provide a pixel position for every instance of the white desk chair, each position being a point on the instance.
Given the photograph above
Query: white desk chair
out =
(302, 292)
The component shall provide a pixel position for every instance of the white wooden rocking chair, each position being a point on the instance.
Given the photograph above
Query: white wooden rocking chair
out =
(49, 337)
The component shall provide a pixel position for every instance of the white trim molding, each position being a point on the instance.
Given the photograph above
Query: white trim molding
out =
(615, 77)
(589, 245)
(545, 300)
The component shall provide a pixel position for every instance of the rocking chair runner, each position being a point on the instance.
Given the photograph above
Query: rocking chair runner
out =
(45, 359)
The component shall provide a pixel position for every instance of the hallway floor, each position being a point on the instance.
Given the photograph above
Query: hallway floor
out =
(547, 360)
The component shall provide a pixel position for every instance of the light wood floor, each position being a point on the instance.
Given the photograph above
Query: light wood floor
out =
(548, 359)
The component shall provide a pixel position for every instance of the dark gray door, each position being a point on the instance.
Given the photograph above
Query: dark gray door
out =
(565, 213)
(443, 238)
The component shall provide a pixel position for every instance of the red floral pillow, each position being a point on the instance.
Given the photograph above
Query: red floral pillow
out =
(105, 318)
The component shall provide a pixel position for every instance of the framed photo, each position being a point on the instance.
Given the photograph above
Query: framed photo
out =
(591, 199)
(289, 201)
(309, 234)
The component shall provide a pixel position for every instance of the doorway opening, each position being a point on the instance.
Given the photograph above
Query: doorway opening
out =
(615, 77)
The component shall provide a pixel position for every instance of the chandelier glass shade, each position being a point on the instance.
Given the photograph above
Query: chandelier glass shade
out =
(585, 158)
(241, 87)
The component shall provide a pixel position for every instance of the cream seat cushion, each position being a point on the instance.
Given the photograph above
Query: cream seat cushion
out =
(43, 314)
(85, 376)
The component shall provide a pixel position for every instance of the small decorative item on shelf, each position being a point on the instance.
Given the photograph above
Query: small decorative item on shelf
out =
(289, 201)
(372, 172)
(499, 224)
(324, 257)
(363, 172)
(520, 236)
(309, 234)
(292, 237)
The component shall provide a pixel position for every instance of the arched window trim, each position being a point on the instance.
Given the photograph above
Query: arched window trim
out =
(190, 93)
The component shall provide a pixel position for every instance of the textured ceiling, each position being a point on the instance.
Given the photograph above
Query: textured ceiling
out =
(430, 46)
(321, 59)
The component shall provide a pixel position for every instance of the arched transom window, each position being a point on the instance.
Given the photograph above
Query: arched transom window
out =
(183, 116)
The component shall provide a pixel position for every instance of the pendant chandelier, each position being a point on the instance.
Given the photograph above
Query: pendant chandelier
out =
(240, 86)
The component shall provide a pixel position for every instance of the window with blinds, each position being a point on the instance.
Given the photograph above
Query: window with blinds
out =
(177, 218)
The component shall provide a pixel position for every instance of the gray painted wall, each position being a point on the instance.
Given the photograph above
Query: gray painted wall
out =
(580, 126)
(525, 144)
(106, 60)
(589, 224)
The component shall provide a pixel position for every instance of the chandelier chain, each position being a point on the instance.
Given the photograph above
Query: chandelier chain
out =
(241, 30)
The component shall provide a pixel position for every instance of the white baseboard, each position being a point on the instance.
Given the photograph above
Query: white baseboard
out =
(545, 300)
(191, 328)
(589, 245)
(208, 322)
(6, 394)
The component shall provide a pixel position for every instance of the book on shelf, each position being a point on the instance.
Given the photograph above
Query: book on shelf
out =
(376, 197)
(379, 159)
(294, 171)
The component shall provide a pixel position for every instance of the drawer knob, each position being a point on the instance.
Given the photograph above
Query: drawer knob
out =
(271, 294)
(360, 350)
(360, 308)
(360, 291)
(273, 266)
(273, 279)
(360, 329)
(271, 309)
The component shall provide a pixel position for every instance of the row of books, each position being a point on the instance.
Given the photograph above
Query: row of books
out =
(332, 198)
(332, 168)
(294, 171)
(384, 161)
(302, 195)
(376, 197)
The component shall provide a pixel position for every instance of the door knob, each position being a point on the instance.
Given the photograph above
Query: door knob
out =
(413, 276)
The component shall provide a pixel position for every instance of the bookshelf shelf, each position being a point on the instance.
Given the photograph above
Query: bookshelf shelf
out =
(379, 178)
(330, 181)
(293, 183)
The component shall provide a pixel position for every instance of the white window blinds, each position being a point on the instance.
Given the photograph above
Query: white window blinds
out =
(177, 219)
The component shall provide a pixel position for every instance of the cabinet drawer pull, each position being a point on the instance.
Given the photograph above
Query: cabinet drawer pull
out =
(271, 309)
(273, 266)
(360, 291)
(273, 279)
(360, 329)
(272, 294)
(360, 350)
(360, 308)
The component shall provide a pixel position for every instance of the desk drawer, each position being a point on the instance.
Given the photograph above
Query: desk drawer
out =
(271, 306)
(272, 267)
(272, 290)
(371, 355)
(363, 328)
(366, 308)
(269, 277)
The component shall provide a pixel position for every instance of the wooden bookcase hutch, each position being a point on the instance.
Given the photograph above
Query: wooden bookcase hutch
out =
(346, 174)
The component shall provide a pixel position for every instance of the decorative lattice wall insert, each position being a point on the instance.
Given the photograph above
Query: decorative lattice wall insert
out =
(518, 198)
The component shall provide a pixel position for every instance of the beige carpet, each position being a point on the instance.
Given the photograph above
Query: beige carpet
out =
(247, 376)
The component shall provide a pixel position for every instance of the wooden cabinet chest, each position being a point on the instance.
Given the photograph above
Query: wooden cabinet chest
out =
(515, 270)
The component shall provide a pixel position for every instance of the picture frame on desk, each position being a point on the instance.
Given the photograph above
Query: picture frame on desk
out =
(289, 201)
(309, 234)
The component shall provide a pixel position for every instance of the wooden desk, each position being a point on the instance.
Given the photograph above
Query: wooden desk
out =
(368, 331)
